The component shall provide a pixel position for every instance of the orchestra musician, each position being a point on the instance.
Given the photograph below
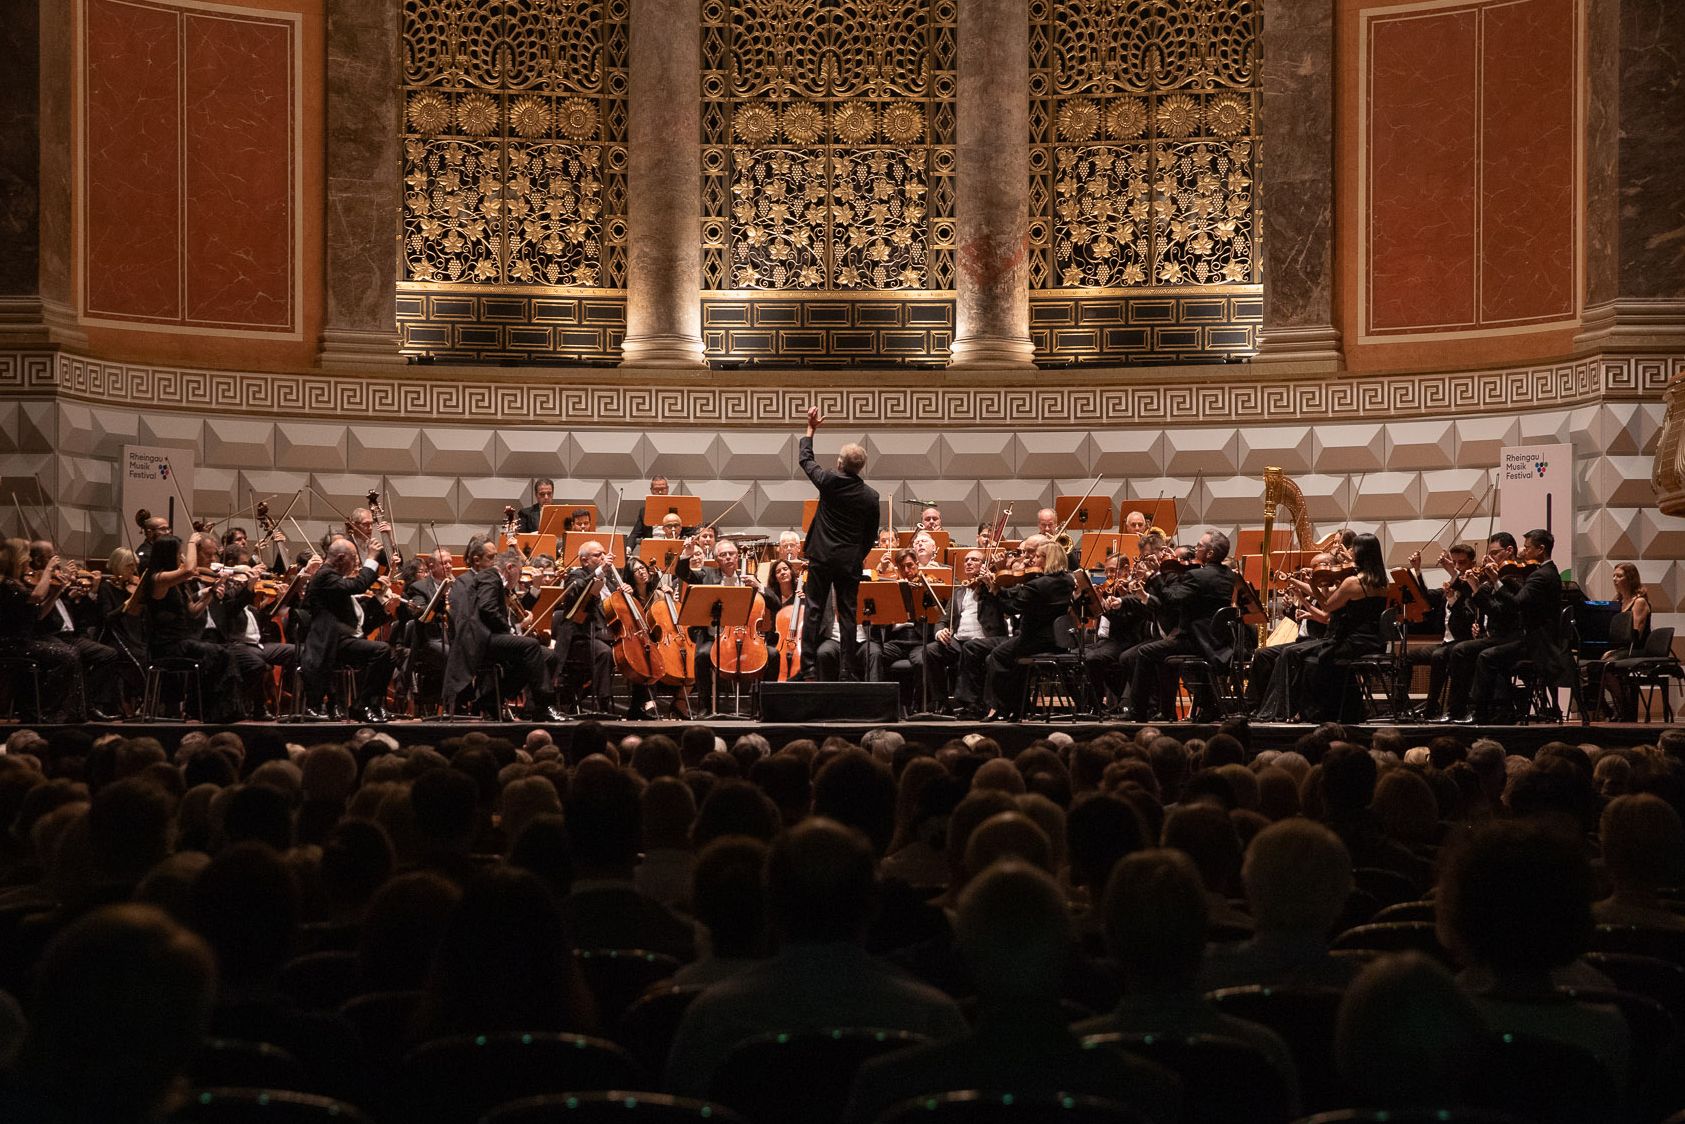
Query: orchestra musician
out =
(426, 650)
(1123, 622)
(658, 486)
(1606, 688)
(175, 621)
(1536, 603)
(1135, 523)
(1454, 599)
(67, 619)
(1193, 597)
(1037, 602)
(336, 632)
(727, 573)
(151, 530)
(1047, 522)
(844, 526)
(1354, 609)
(1496, 625)
(124, 632)
(569, 636)
(974, 626)
(900, 641)
(931, 518)
(484, 633)
(1277, 669)
(60, 692)
(526, 520)
(251, 639)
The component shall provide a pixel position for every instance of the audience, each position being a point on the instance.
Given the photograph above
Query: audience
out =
(1643, 852)
(1407, 1036)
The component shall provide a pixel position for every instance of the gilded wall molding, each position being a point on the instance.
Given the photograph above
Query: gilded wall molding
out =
(583, 399)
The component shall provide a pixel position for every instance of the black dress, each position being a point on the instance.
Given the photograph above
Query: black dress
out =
(1354, 630)
(174, 632)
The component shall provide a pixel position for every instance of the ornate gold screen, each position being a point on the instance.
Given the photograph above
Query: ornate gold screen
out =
(1143, 214)
(514, 236)
(827, 191)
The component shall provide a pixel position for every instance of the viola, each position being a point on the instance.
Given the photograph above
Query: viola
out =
(637, 655)
(740, 649)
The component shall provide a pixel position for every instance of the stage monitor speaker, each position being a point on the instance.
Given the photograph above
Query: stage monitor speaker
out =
(829, 702)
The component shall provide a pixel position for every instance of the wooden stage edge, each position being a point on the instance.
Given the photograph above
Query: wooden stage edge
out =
(1012, 736)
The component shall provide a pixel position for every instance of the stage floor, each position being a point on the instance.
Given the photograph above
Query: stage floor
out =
(1012, 736)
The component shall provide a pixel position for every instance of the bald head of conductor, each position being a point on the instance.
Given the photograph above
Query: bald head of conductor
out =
(850, 458)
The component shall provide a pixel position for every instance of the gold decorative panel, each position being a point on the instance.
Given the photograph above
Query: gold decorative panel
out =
(1142, 163)
(514, 166)
(828, 149)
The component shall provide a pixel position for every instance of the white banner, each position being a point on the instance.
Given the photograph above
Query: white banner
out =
(1536, 489)
(161, 481)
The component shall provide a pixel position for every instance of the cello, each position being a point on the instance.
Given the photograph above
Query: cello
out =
(791, 619)
(636, 653)
(740, 649)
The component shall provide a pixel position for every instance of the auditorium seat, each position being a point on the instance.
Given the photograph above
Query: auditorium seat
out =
(648, 1027)
(266, 1106)
(1395, 936)
(450, 1080)
(320, 981)
(611, 1107)
(1664, 944)
(1454, 1115)
(617, 976)
(233, 1063)
(1648, 976)
(971, 1106)
(1543, 1080)
(1304, 1017)
(805, 1076)
(1250, 1089)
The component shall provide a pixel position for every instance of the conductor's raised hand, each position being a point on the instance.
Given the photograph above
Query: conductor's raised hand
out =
(814, 419)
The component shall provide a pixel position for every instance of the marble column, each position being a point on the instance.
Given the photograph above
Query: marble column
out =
(364, 184)
(992, 184)
(1296, 186)
(664, 186)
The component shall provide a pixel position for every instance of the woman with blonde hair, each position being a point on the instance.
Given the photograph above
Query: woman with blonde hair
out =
(126, 632)
(1610, 691)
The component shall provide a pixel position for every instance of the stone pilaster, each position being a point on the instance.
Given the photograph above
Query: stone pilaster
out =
(364, 184)
(664, 187)
(1296, 185)
(992, 184)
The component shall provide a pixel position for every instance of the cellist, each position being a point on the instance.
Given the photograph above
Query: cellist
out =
(583, 590)
(727, 573)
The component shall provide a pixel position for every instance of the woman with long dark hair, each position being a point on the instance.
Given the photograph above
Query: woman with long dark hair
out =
(1354, 629)
(175, 622)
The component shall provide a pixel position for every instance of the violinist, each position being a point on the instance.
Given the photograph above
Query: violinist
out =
(336, 634)
(1276, 669)
(252, 647)
(175, 621)
(543, 492)
(587, 640)
(1354, 610)
(426, 601)
(67, 620)
(1124, 620)
(152, 528)
(1533, 593)
(124, 632)
(1192, 596)
(235, 536)
(484, 632)
(60, 672)
(974, 627)
(1038, 603)
(900, 641)
(1495, 624)
(1455, 600)
(888, 546)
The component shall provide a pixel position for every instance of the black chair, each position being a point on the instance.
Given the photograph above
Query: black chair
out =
(1454, 1115)
(1648, 976)
(382, 1020)
(266, 1106)
(1407, 911)
(608, 1107)
(1249, 1087)
(180, 672)
(1388, 886)
(971, 1106)
(1589, 671)
(1650, 1024)
(224, 1063)
(617, 976)
(15, 668)
(650, 1024)
(1651, 671)
(1376, 677)
(450, 1080)
(1304, 1017)
(1543, 1080)
(1395, 936)
(1540, 695)
(800, 1076)
(1663, 944)
(1051, 677)
(1196, 673)
(320, 981)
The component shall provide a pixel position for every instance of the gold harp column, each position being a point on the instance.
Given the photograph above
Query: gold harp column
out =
(664, 187)
(992, 173)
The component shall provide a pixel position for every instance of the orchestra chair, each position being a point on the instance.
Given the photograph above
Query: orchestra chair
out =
(266, 1106)
(1651, 672)
(1541, 696)
(1049, 678)
(460, 1078)
(973, 1106)
(651, 1023)
(618, 976)
(1377, 677)
(801, 1075)
(1250, 1088)
(223, 1063)
(1304, 1017)
(14, 668)
(1193, 672)
(611, 1106)
(182, 672)
(342, 692)
(1589, 671)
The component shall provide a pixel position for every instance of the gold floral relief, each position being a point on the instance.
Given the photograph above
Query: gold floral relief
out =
(453, 203)
(778, 216)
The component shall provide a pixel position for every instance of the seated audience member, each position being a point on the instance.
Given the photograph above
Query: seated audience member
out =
(1155, 930)
(505, 963)
(401, 931)
(1346, 789)
(1298, 877)
(1643, 851)
(542, 847)
(1100, 830)
(1206, 834)
(1514, 903)
(604, 821)
(663, 874)
(1016, 936)
(734, 807)
(929, 795)
(820, 887)
(1407, 1036)
(122, 1001)
(729, 901)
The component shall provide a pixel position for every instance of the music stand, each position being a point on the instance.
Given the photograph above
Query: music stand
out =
(530, 545)
(938, 575)
(543, 609)
(1159, 513)
(614, 546)
(553, 517)
(942, 539)
(705, 606)
(1097, 545)
(687, 508)
(1246, 599)
(808, 508)
(1407, 592)
(1079, 515)
(658, 554)
(931, 596)
(878, 603)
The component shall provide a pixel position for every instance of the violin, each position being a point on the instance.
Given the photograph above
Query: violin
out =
(1513, 570)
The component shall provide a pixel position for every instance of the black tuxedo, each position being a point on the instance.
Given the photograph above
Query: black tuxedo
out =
(482, 634)
(251, 661)
(844, 529)
(1194, 598)
(1535, 604)
(1459, 620)
(526, 520)
(334, 637)
(1039, 604)
(576, 643)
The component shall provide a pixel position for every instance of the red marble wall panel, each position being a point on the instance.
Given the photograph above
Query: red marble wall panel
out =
(189, 183)
(1472, 143)
(239, 218)
(132, 141)
(1423, 154)
(1528, 168)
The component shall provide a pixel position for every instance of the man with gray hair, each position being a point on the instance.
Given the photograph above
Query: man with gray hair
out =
(1193, 597)
(336, 631)
(483, 635)
(844, 529)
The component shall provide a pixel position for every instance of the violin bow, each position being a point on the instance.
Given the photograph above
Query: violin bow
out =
(175, 481)
(1092, 484)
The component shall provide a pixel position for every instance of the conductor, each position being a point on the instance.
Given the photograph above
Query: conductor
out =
(844, 528)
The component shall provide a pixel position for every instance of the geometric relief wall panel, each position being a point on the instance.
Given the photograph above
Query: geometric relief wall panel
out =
(1468, 167)
(1143, 156)
(514, 163)
(188, 167)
